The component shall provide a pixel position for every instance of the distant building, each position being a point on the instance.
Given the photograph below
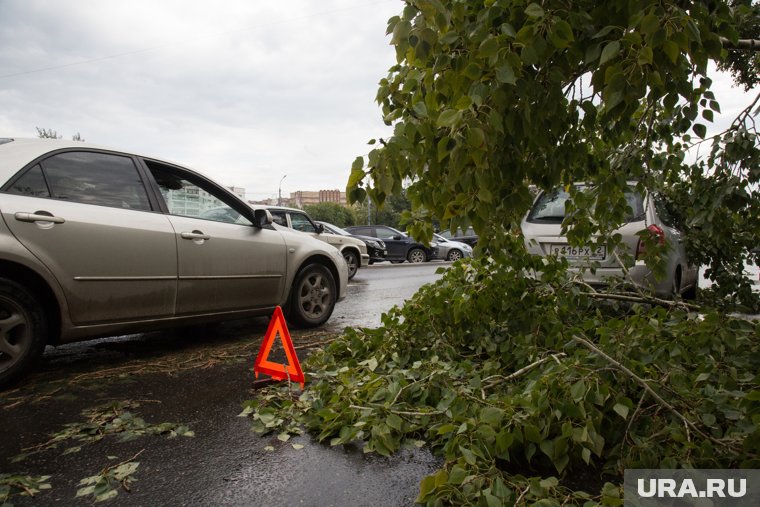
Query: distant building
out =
(302, 197)
(192, 201)
(238, 191)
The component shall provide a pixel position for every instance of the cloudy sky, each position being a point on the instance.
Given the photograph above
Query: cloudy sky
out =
(244, 91)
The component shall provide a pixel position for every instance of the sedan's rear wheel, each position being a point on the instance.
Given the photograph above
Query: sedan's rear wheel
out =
(313, 297)
(22, 331)
(454, 255)
(352, 260)
(416, 255)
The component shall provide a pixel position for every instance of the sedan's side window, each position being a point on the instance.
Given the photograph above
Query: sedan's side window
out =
(31, 183)
(190, 199)
(364, 231)
(302, 223)
(279, 218)
(385, 234)
(89, 178)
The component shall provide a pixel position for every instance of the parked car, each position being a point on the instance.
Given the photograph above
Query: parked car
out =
(375, 247)
(400, 246)
(353, 250)
(95, 242)
(467, 236)
(452, 250)
(541, 228)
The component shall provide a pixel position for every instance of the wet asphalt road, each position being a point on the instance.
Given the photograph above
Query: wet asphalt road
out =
(200, 377)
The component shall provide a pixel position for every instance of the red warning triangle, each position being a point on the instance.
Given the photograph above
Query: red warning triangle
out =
(278, 371)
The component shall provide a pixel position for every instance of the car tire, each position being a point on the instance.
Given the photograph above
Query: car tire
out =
(454, 255)
(352, 261)
(313, 297)
(416, 256)
(23, 331)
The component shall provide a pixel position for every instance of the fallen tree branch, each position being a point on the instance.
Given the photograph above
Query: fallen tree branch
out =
(643, 383)
(500, 379)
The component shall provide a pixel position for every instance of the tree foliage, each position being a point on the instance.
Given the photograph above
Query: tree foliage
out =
(539, 389)
(331, 212)
(44, 133)
(532, 389)
(745, 68)
(489, 98)
(393, 212)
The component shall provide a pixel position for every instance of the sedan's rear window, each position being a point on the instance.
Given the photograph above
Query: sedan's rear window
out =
(550, 206)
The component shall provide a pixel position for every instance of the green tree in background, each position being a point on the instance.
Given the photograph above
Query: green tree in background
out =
(395, 211)
(331, 212)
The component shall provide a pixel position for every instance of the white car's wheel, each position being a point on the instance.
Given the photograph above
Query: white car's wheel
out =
(352, 260)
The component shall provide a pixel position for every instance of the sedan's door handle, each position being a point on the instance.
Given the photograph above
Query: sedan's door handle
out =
(38, 216)
(195, 235)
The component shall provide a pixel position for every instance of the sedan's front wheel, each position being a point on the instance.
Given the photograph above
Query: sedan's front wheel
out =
(22, 331)
(416, 255)
(313, 297)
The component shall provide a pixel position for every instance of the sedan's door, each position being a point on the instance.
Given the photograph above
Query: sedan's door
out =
(225, 263)
(87, 216)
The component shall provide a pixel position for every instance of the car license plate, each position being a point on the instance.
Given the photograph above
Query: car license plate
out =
(591, 252)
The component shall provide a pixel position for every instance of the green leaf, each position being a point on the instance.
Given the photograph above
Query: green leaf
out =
(449, 118)
(401, 31)
(672, 50)
(609, 52)
(621, 410)
(535, 11)
(468, 456)
(650, 24)
(488, 47)
(457, 475)
(578, 390)
(506, 74)
(700, 130)
(427, 486)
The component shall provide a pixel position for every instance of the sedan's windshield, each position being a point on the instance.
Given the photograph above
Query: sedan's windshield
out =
(550, 206)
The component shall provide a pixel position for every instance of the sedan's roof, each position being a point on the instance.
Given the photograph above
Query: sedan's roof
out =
(20, 151)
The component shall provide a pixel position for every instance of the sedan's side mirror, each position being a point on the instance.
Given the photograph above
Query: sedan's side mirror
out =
(262, 218)
(320, 228)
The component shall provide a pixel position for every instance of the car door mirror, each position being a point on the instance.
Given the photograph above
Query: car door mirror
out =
(262, 218)
(320, 228)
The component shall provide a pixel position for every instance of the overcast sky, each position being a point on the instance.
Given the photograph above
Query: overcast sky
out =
(244, 91)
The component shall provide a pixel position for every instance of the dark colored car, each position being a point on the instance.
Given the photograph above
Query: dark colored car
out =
(375, 247)
(400, 246)
(467, 236)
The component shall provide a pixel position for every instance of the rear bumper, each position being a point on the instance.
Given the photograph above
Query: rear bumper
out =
(638, 275)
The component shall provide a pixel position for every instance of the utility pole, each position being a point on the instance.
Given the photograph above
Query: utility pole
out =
(279, 191)
(369, 210)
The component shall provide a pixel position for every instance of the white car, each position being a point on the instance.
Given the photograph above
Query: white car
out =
(354, 250)
(542, 231)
